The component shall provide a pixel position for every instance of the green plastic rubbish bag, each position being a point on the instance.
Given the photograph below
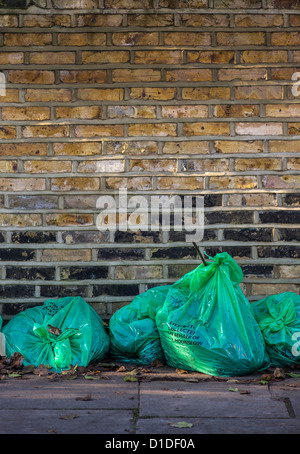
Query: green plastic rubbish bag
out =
(133, 333)
(278, 317)
(60, 333)
(206, 323)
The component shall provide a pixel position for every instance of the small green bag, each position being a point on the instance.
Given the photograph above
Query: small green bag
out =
(60, 333)
(133, 333)
(278, 317)
(206, 323)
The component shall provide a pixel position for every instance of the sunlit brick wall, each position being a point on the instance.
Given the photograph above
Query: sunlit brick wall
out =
(159, 97)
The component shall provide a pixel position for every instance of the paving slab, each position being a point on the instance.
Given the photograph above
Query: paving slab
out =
(71, 421)
(173, 399)
(41, 393)
(221, 426)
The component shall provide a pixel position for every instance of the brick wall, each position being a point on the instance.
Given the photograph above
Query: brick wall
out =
(159, 97)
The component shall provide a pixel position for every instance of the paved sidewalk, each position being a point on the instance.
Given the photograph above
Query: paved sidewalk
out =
(154, 403)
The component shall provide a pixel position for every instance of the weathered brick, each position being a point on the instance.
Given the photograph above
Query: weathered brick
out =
(62, 291)
(17, 255)
(291, 200)
(204, 93)
(107, 165)
(186, 39)
(66, 255)
(235, 110)
(156, 94)
(285, 39)
(150, 20)
(189, 75)
(116, 290)
(258, 200)
(153, 165)
(242, 74)
(264, 56)
(259, 92)
(10, 95)
(33, 237)
(75, 4)
(205, 20)
(129, 4)
(289, 271)
(211, 56)
(17, 291)
(7, 132)
(239, 182)
(152, 129)
(99, 130)
(56, 58)
(294, 20)
(24, 184)
(121, 254)
(74, 184)
(80, 112)
(132, 148)
(8, 166)
(279, 217)
(69, 219)
(47, 21)
(27, 39)
(8, 20)
(100, 94)
(25, 113)
(81, 39)
(293, 164)
(11, 58)
(248, 234)
(131, 112)
(281, 182)
(46, 131)
(135, 39)
(180, 182)
(105, 56)
(139, 183)
(284, 146)
(94, 76)
(33, 202)
(29, 273)
(136, 75)
(229, 217)
(258, 20)
(156, 57)
(20, 220)
(239, 4)
(283, 110)
(191, 111)
(31, 77)
(288, 235)
(190, 147)
(204, 129)
(98, 20)
(293, 128)
(77, 148)
(23, 149)
(133, 272)
(77, 273)
(257, 164)
(258, 129)
(47, 166)
(205, 165)
(48, 95)
(241, 39)
(83, 236)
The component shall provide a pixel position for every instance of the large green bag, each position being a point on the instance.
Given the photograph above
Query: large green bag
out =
(133, 333)
(278, 317)
(60, 333)
(206, 323)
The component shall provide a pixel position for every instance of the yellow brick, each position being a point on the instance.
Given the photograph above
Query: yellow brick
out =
(136, 75)
(48, 95)
(189, 75)
(47, 166)
(8, 166)
(22, 184)
(69, 219)
(107, 165)
(7, 132)
(294, 128)
(20, 220)
(25, 113)
(135, 39)
(243, 74)
(130, 272)
(150, 20)
(239, 182)
(192, 111)
(77, 148)
(293, 164)
(66, 255)
(8, 20)
(258, 20)
(152, 129)
(98, 20)
(235, 110)
(99, 130)
(100, 94)
(74, 184)
(81, 112)
(23, 149)
(281, 182)
(259, 92)
(153, 165)
(206, 129)
(41, 20)
(228, 146)
(56, 58)
(284, 146)
(190, 147)
(240, 39)
(283, 110)
(81, 39)
(11, 58)
(105, 56)
(204, 93)
(150, 57)
(46, 131)
(262, 56)
(260, 129)
(211, 56)
(187, 39)
(257, 164)
(143, 147)
(31, 77)
(11, 95)
(131, 112)
(138, 183)
(285, 39)
(205, 20)
(155, 94)
(93, 76)
(190, 183)
(258, 200)
(27, 39)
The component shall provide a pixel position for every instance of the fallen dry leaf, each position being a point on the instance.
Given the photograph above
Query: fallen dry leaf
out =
(53, 330)
(181, 371)
(181, 424)
(279, 373)
(85, 398)
(69, 417)
(233, 389)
